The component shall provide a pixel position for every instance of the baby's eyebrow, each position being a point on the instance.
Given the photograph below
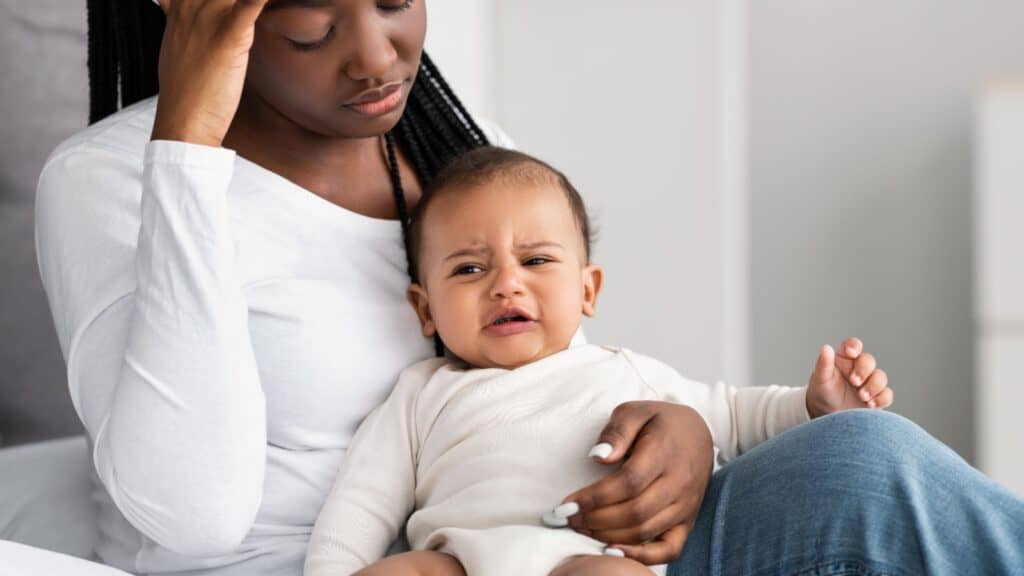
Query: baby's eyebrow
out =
(535, 245)
(477, 251)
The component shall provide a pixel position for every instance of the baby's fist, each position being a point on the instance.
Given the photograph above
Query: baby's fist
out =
(845, 380)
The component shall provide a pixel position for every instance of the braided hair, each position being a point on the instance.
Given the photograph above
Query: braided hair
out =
(124, 47)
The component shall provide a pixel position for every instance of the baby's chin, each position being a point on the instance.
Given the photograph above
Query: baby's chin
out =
(507, 357)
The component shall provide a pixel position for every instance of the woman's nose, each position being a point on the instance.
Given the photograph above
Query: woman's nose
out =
(507, 284)
(373, 53)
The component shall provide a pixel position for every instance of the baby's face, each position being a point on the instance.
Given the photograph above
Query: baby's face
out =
(503, 272)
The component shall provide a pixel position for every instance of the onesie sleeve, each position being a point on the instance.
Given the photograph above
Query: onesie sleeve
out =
(137, 259)
(738, 418)
(374, 491)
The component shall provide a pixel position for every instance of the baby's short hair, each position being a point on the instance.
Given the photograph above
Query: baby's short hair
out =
(486, 165)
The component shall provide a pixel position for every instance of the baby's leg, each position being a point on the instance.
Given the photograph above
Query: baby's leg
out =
(601, 566)
(418, 563)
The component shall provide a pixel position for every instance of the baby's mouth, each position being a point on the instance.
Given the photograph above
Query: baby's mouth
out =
(511, 318)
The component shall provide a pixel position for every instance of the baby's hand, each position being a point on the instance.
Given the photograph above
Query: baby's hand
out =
(846, 380)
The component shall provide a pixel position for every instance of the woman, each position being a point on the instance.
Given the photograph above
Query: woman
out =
(226, 269)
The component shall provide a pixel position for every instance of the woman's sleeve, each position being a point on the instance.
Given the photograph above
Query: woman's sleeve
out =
(738, 418)
(139, 270)
(374, 491)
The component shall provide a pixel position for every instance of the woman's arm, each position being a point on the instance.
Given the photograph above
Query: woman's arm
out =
(153, 325)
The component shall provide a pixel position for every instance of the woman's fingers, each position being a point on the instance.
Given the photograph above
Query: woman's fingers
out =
(203, 61)
(661, 550)
(637, 535)
(658, 496)
(247, 11)
(627, 420)
(624, 484)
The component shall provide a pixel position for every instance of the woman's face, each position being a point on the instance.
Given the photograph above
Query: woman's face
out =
(340, 68)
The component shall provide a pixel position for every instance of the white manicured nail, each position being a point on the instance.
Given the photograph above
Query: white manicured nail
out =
(566, 510)
(602, 450)
(551, 520)
(609, 551)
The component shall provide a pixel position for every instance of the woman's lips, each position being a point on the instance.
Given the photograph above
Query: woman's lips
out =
(378, 102)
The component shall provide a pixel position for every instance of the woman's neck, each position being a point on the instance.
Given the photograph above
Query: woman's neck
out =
(350, 172)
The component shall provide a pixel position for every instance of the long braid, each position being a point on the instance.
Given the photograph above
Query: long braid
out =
(102, 60)
(124, 47)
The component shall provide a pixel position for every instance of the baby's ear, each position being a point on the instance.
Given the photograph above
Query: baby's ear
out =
(417, 297)
(593, 276)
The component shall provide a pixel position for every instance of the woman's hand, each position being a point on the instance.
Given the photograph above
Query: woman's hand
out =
(649, 506)
(203, 59)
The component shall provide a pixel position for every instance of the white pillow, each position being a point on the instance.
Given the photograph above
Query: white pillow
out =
(20, 560)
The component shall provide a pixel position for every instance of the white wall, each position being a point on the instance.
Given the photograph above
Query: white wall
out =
(623, 97)
(462, 40)
(860, 162)
(999, 283)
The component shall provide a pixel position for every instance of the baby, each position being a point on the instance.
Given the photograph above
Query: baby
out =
(479, 446)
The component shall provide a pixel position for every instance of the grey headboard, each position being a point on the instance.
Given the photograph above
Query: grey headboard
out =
(44, 98)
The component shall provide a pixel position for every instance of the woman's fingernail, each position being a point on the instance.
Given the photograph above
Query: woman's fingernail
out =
(566, 510)
(609, 551)
(864, 395)
(855, 380)
(553, 520)
(602, 450)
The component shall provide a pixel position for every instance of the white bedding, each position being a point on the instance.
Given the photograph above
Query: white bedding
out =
(46, 507)
(21, 560)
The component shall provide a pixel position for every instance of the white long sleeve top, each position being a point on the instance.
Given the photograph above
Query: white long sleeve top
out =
(481, 454)
(225, 331)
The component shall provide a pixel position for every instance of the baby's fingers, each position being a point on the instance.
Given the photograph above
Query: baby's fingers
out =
(863, 366)
(875, 385)
(883, 400)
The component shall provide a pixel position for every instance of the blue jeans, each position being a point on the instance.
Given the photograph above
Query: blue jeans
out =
(858, 492)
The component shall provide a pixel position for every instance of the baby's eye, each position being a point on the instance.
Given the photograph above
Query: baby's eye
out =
(537, 261)
(467, 269)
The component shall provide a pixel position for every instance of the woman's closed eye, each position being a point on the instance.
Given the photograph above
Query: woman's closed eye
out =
(395, 6)
(308, 45)
(314, 44)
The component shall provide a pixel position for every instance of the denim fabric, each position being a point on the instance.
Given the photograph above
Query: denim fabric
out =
(854, 493)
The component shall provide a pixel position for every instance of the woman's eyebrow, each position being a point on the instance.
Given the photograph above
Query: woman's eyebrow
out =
(281, 4)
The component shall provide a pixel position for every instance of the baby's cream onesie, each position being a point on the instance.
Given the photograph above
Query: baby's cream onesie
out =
(477, 456)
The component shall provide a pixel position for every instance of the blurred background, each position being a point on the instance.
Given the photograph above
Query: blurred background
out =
(766, 177)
